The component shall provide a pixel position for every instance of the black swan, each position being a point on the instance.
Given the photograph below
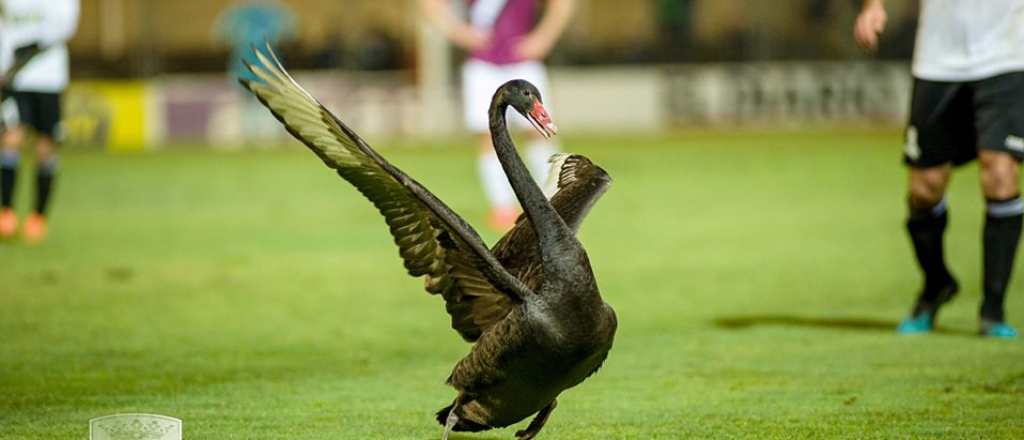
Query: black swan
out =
(530, 305)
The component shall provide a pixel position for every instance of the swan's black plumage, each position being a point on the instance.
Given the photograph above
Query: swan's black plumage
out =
(530, 305)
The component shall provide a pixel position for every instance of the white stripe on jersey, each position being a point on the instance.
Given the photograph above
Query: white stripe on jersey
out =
(484, 13)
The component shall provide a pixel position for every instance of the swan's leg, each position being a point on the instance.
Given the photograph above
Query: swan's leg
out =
(452, 418)
(537, 423)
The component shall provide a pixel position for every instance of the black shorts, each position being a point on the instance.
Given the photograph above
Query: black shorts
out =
(951, 121)
(39, 110)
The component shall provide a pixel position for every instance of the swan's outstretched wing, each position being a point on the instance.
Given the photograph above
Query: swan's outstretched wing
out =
(433, 241)
(578, 183)
(575, 184)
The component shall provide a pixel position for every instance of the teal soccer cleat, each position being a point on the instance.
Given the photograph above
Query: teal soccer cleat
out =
(997, 329)
(912, 325)
(922, 318)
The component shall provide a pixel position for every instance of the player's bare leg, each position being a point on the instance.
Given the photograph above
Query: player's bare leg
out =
(504, 209)
(1000, 174)
(927, 186)
(538, 150)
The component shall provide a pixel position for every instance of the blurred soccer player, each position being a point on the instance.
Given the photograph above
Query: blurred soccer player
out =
(244, 24)
(968, 102)
(505, 41)
(34, 59)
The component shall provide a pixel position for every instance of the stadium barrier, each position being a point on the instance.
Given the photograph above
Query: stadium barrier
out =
(789, 93)
(210, 110)
(117, 115)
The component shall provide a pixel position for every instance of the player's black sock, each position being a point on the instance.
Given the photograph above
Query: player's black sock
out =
(926, 229)
(8, 176)
(45, 175)
(1002, 233)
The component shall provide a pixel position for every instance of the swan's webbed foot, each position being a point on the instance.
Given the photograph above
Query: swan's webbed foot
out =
(537, 423)
(453, 419)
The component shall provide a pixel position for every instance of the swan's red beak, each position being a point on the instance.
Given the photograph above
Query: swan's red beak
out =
(541, 121)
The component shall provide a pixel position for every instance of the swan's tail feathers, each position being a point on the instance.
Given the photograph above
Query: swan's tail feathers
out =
(556, 160)
(464, 425)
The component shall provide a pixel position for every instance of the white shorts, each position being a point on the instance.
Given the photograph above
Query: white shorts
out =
(481, 79)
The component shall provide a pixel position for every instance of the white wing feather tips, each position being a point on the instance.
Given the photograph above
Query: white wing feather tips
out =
(300, 111)
(556, 160)
(274, 67)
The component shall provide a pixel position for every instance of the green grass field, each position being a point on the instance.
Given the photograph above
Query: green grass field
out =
(757, 279)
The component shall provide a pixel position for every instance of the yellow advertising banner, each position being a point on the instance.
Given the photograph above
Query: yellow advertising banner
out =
(107, 114)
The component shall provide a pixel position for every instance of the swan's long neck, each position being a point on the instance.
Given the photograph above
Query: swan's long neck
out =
(553, 235)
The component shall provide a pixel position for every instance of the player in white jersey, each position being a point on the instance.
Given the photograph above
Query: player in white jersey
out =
(968, 103)
(34, 66)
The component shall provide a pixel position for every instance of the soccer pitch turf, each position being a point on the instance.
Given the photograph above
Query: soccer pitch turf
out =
(757, 278)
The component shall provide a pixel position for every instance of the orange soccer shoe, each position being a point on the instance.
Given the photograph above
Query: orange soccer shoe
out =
(502, 219)
(35, 228)
(8, 224)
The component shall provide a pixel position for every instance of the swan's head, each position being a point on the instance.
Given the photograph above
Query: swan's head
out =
(525, 98)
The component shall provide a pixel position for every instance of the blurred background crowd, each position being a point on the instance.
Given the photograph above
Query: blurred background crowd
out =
(139, 38)
(151, 73)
